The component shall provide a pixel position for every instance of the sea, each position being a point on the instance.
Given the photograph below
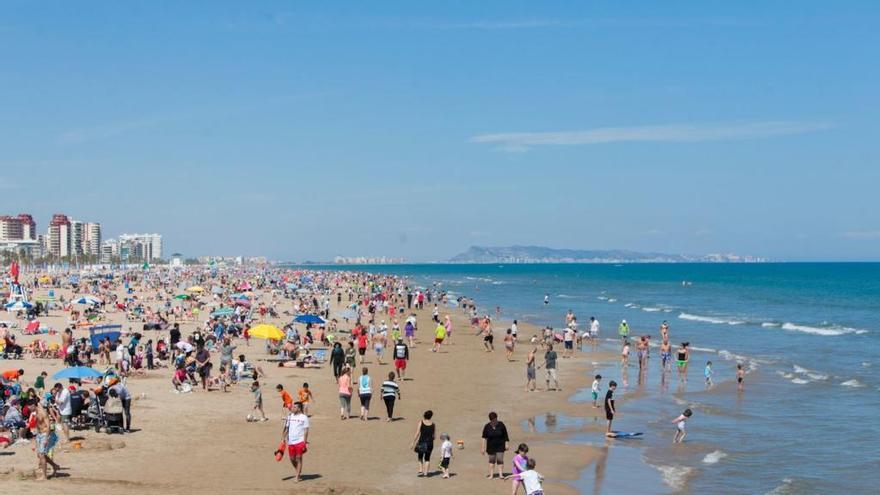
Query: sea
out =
(808, 334)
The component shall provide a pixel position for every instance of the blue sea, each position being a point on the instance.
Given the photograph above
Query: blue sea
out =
(808, 334)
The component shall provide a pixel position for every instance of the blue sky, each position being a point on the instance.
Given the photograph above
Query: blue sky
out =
(306, 130)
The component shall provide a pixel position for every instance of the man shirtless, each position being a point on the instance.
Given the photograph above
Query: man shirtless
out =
(46, 439)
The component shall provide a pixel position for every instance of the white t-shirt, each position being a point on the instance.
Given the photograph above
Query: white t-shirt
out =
(595, 386)
(569, 334)
(531, 481)
(513, 328)
(594, 327)
(297, 424)
(63, 402)
(446, 449)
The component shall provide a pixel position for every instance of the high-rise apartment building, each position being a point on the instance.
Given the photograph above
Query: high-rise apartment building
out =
(91, 239)
(59, 238)
(18, 228)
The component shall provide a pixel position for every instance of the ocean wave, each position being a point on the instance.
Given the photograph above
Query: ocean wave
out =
(771, 324)
(497, 282)
(630, 305)
(853, 383)
(565, 296)
(602, 298)
(479, 279)
(675, 477)
(787, 376)
(782, 489)
(612, 300)
(709, 319)
(799, 381)
(714, 457)
(830, 330)
(702, 349)
(652, 310)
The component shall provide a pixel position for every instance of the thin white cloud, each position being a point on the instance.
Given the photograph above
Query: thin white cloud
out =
(102, 132)
(671, 133)
(863, 235)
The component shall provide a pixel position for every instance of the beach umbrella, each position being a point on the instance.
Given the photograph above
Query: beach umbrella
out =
(266, 331)
(196, 288)
(181, 296)
(226, 311)
(87, 300)
(18, 306)
(239, 296)
(347, 313)
(309, 319)
(77, 372)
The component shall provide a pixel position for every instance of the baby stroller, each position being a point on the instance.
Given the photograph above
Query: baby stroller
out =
(106, 412)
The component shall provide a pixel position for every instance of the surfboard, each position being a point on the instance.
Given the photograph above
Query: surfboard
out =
(625, 434)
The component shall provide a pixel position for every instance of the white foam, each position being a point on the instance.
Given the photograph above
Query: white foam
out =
(652, 310)
(771, 324)
(612, 300)
(787, 376)
(675, 477)
(798, 369)
(800, 381)
(709, 319)
(702, 349)
(565, 296)
(629, 305)
(852, 383)
(832, 330)
(666, 310)
(714, 457)
(817, 376)
(601, 298)
(782, 489)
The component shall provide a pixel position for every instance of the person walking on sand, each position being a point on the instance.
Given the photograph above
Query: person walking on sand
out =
(390, 392)
(509, 343)
(679, 423)
(45, 441)
(439, 335)
(344, 383)
(296, 437)
(530, 370)
(337, 360)
(530, 478)
(494, 444)
(609, 406)
(423, 442)
(258, 401)
(550, 366)
(365, 393)
(448, 324)
(401, 356)
(446, 454)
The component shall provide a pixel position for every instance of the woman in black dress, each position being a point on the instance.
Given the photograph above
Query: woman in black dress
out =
(423, 442)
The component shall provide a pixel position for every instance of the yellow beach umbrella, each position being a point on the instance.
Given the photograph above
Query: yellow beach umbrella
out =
(196, 288)
(266, 331)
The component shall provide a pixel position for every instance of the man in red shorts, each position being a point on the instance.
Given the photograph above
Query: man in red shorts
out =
(401, 355)
(296, 436)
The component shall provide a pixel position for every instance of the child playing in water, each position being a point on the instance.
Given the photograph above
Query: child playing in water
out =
(708, 373)
(679, 422)
(624, 354)
(530, 478)
(740, 375)
(595, 391)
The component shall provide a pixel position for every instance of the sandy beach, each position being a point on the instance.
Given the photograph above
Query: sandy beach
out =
(200, 442)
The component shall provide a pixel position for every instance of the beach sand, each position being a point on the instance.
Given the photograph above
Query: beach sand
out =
(201, 442)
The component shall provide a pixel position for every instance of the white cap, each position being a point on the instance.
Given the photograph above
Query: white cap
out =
(623, 321)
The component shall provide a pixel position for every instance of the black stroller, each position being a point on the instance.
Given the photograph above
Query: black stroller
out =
(105, 412)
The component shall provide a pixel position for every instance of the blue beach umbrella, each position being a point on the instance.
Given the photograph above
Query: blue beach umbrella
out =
(223, 312)
(18, 306)
(77, 372)
(309, 319)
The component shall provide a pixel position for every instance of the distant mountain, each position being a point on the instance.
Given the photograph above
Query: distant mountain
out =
(540, 254)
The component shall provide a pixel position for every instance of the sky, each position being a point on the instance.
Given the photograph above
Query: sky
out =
(302, 131)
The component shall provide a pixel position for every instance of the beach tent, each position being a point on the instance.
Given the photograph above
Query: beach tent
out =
(99, 333)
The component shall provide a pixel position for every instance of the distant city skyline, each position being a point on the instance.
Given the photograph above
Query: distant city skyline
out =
(415, 130)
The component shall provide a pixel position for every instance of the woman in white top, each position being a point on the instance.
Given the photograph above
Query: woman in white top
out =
(365, 393)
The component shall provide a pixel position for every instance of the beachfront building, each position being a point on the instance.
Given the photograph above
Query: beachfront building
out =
(91, 239)
(131, 248)
(18, 228)
(59, 237)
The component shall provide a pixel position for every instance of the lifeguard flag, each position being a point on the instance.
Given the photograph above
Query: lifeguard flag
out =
(13, 270)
